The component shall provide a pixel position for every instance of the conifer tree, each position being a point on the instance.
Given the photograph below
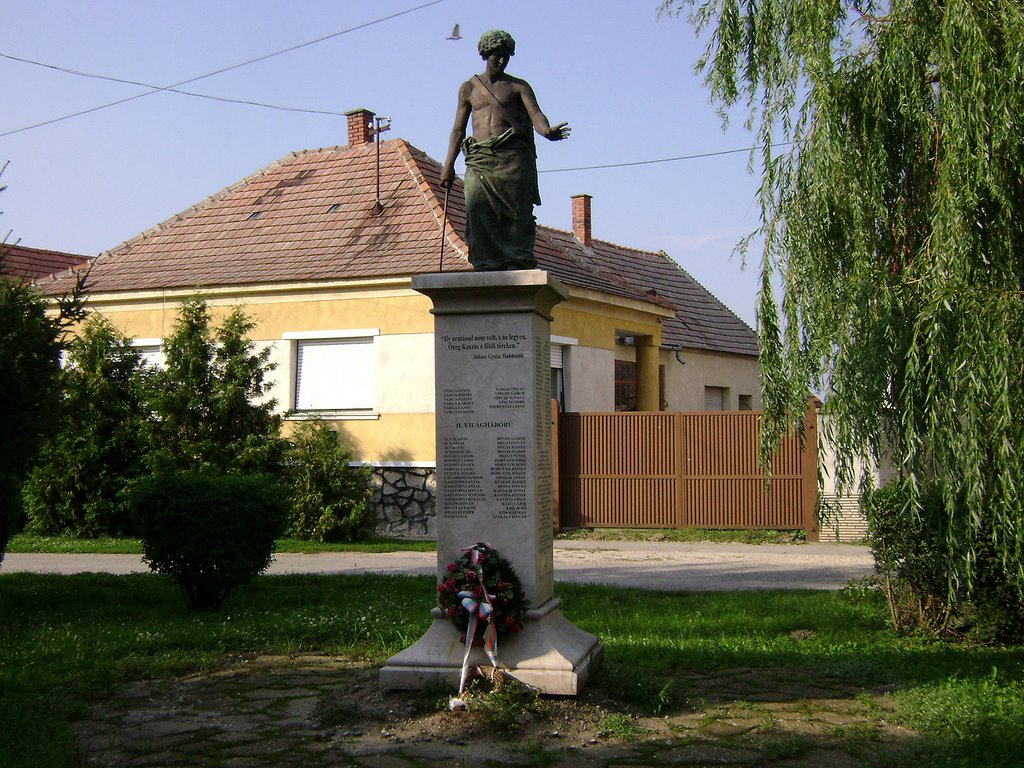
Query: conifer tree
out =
(30, 344)
(210, 403)
(29, 391)
(80, 485)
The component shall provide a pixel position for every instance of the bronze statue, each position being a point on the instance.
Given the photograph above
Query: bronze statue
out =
(501, 159)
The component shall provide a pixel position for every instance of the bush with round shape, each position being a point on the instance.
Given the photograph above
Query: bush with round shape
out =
(210, 533)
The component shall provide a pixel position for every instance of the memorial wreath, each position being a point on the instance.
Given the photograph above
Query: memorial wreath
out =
(482, 591)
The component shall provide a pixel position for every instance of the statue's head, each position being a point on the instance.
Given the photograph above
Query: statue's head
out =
(495, 41)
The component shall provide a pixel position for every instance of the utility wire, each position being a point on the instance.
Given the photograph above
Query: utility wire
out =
(173, 89)
(661, 160)
(169, 89)
(156, 89)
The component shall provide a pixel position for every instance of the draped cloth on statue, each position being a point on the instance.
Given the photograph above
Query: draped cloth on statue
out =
(501, 190)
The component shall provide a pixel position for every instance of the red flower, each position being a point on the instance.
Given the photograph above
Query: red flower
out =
(467, 574)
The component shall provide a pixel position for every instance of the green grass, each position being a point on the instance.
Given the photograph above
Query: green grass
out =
(622, 726)
(67, 641)
(27, 542)
(373, 545)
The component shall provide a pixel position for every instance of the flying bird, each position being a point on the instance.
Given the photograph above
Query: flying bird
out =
(455, 33)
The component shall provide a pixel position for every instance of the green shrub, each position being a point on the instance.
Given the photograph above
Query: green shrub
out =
(909, 543)
(9, 510)
(994, 610)
(29, 391)
(79, 487)
(210, 533)
(910, 554)
(330, 499)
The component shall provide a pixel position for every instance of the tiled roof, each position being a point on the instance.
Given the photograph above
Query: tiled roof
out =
(701, 320)
(30, 263)
(313, 216)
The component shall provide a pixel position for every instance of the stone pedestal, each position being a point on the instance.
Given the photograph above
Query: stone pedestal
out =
(493, 447)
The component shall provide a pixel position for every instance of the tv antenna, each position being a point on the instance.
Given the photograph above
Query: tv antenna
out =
(377, 127)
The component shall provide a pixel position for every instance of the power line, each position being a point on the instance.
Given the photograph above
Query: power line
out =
(168, 89)
(157, 89)
(172, 89)
(661, 160)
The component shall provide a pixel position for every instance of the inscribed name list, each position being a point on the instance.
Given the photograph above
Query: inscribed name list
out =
(488, 425)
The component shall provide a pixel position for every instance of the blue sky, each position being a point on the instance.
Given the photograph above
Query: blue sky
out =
(622, 77)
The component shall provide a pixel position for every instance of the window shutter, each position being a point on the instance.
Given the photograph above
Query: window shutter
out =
(151, 355)
(335, 374)
(556, 355)
(714, 399)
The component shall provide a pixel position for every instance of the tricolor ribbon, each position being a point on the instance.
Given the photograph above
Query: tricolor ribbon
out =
(478, 607)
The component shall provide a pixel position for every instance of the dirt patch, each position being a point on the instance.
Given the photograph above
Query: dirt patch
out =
(271, 711)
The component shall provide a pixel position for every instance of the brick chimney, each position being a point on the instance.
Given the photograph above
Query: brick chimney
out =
(360, 127)
(581, 218)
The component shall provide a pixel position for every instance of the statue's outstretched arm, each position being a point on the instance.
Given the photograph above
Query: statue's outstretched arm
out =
(539, 119)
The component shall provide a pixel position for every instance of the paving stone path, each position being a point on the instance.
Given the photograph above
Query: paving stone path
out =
(288, 712)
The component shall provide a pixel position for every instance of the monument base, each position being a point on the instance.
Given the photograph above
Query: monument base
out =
(549, 654)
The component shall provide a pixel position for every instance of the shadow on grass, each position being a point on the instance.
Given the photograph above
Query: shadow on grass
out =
(665, 653)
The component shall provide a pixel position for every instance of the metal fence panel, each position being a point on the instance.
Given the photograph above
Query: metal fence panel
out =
(668, 470)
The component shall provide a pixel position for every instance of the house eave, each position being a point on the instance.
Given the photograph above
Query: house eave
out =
(600, 297)
(257, 293)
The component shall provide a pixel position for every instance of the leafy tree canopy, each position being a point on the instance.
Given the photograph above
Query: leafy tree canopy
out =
(893, 224)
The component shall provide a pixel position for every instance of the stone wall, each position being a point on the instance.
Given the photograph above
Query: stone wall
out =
(404, 500)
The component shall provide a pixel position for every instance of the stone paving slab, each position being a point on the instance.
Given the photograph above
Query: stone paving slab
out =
(334, 714)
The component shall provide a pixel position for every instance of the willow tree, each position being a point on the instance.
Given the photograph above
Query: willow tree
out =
(892, 197)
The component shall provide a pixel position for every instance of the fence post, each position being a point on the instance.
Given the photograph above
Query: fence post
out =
(679, 463)
(809, 466)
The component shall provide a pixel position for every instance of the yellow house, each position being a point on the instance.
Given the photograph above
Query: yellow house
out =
(320, 248)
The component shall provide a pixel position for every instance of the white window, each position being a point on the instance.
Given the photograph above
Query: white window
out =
(560, 346)
(151, 352)
(335, 371)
